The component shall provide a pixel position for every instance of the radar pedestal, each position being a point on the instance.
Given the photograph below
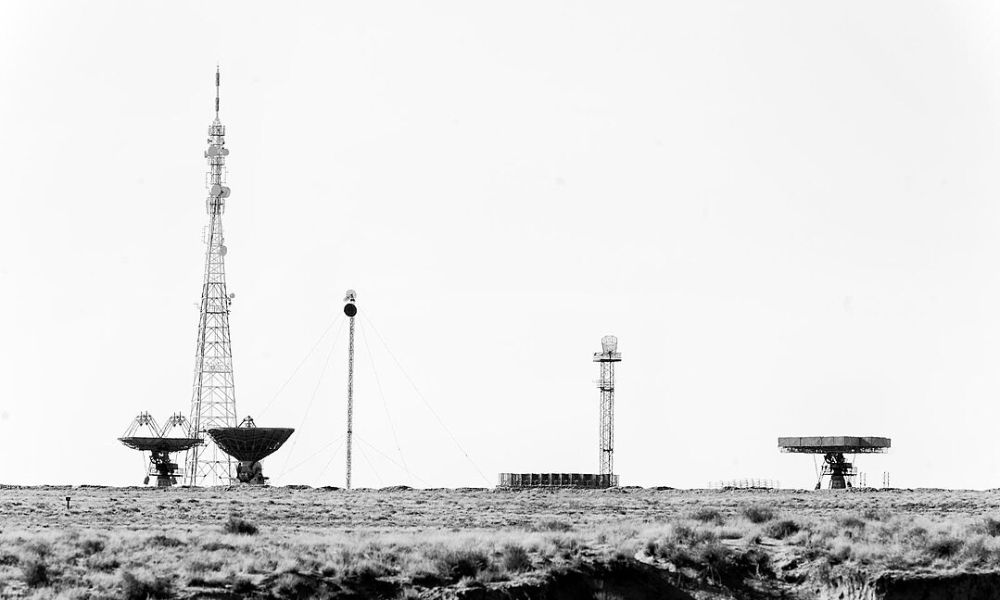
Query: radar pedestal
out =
(840, 471)
(833, 448)
(250, 444)
(146, 436)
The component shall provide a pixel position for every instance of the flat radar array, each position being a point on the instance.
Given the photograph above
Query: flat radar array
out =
(833, 449)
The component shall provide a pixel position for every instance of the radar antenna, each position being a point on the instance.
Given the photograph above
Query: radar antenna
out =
(833, 449)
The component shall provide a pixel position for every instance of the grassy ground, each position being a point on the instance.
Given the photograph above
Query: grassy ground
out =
(291, 543)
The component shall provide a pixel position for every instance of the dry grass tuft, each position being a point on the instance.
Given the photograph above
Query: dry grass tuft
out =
(136, 588)
(781, 529)
(757, 514)
(516, 558)
(239, 526)
(708, 515)
(35, 573)
(945, 547)
(992, 526)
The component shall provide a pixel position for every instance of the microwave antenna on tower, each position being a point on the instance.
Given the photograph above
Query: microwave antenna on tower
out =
(350, 309)
(213, 398)
(607, 358)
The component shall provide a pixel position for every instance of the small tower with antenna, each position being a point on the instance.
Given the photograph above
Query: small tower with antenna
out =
(213, 398)
(350, 309)
(607, 358)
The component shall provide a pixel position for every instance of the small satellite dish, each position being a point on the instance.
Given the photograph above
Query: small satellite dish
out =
(232, 295)
(223, 250)
(350, 296)
(219, 191)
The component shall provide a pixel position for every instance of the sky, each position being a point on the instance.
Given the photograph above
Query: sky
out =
(786, 211)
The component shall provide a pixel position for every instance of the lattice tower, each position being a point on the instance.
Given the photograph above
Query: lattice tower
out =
(213, 400)
(607, 358)
(350, 309)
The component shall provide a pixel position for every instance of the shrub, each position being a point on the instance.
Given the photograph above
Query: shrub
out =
(944, 547)
(874, 514)
(851, 522)
(296, 585)
(239, 526)
(782, 529)
(716, 561)
(757, 514)
(214, 546)
(35, 573)
(165, 541)
(708, 515)
(915, 536)
(367, 570)
(91, 546)
(456, 564)
(992, 526)
(975, 552)
(40, 548)
(553, 525)
(692, 536)
(516, 559)
(134, 588)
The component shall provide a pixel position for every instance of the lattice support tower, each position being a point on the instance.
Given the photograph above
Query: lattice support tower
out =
(213, 400)
(607, 358)
(350, 309)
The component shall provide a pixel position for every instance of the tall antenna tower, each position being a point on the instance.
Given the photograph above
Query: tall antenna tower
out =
(607, 358)
(350, 309)
(213, 400)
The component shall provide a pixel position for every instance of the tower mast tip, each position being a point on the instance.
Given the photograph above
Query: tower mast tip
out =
(216, 90)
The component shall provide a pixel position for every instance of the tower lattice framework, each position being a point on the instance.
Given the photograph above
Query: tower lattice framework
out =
(607, 358)
(213, 399)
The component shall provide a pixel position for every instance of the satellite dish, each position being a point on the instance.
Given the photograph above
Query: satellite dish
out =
(223, 250)
(219, 191)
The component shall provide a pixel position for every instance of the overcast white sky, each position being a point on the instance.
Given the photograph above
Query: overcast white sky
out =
(786, 211)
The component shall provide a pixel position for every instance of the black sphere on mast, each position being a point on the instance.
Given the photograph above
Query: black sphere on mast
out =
(350, 309)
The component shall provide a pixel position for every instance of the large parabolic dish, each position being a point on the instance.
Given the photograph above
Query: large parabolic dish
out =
(144, 435)
(250, 444)
(833, 449)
